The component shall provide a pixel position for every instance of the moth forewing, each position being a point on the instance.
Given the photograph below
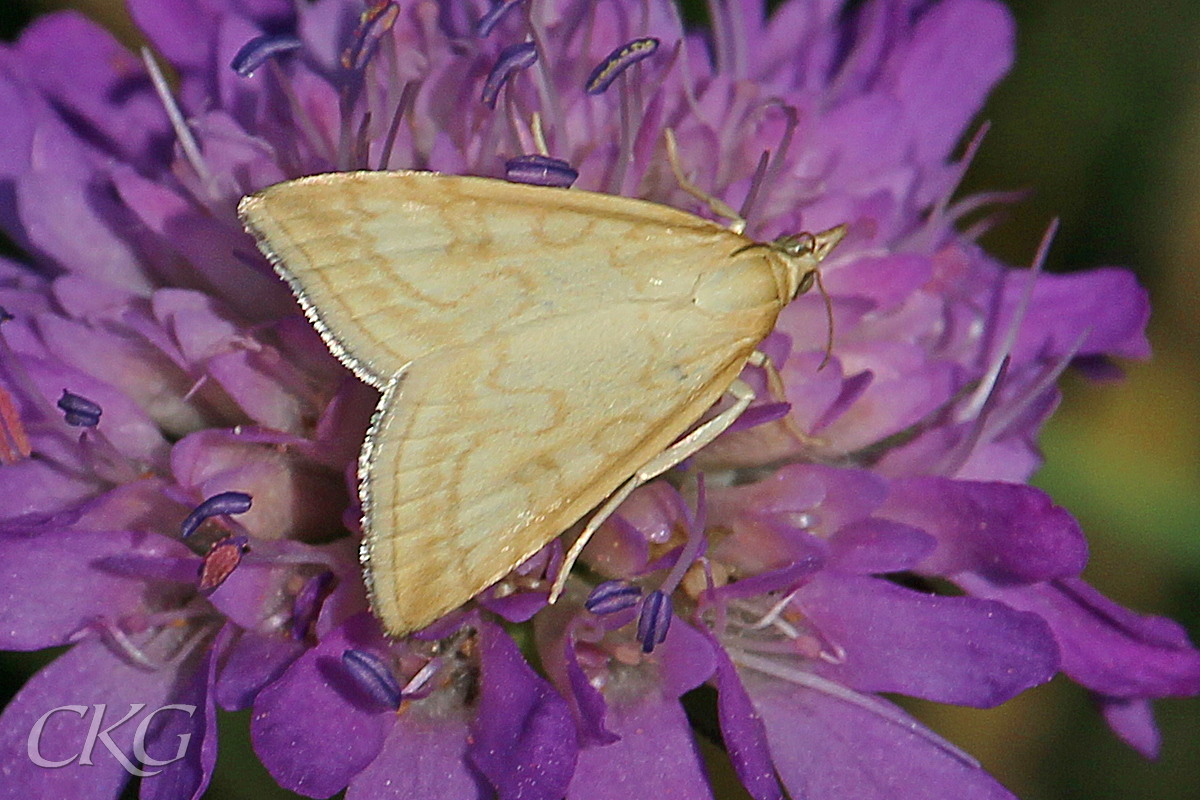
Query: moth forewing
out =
(552, 343)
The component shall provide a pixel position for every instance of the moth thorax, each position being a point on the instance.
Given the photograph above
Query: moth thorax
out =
(748, 280)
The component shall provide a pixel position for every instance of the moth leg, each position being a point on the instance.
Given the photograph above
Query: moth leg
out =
(774, 380)
(743, 396)
(737, 223)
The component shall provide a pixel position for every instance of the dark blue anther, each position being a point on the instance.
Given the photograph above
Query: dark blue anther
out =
(492, 17)
(540, 171)
(373, 677)
(617, 62)
(655, 620)
(513, 58)
(612, 596)
(79, 411)
(218, 504)
(258, 50)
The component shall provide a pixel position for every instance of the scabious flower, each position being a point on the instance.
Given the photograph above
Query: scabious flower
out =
(178, 446)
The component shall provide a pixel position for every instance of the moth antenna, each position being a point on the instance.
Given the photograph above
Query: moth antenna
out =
(828, 316)
(737, 223)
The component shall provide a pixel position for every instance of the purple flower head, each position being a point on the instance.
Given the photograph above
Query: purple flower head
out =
(194, 542)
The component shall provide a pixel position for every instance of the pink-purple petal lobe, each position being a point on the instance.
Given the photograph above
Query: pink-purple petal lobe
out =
(655, 756)
(82, 560)
(1133, 722)
(424, 756)
(962, 650)
(743, 732)
(523, 738)
(312, 728)
(1009, 533)
(1105, 647)
(826, 748)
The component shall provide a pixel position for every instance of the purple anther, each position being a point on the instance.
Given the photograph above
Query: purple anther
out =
(513, 58)
(540, 171)
(218, 504)
(5, 316)
(373, 25)
(613, 596)
(617, 62)
(306, 606)
(373, 677)
(655, 620)
(258, 50)
(79, 411)
(488, 22)
(220, 561)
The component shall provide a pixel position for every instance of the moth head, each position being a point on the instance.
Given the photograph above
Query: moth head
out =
(803, 254)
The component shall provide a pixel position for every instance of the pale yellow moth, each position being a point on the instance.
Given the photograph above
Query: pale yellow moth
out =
(538, 349)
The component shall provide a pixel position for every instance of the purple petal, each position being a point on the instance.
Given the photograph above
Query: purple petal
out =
(1107, 303)
(743, 732)
(826, 748)
(423, 756)
(656, 755)
(878, 546)
(253, 661)
(189, 776)
(1133, 721)
(1106, 647)
(523, 737)
(952, 58)
(97, 87)
(311, 728)
(1007, 532)
(32, 618)
(960, 650)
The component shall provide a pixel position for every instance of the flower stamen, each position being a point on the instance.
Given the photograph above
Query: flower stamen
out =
(222, 504)
(183, 133)
(617, 62)
(373, 676)
(512, 58)
(14, 441)
(491, 18)
(255, 52)
(78, 411)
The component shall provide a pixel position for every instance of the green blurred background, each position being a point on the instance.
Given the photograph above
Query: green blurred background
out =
(1101, 119)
